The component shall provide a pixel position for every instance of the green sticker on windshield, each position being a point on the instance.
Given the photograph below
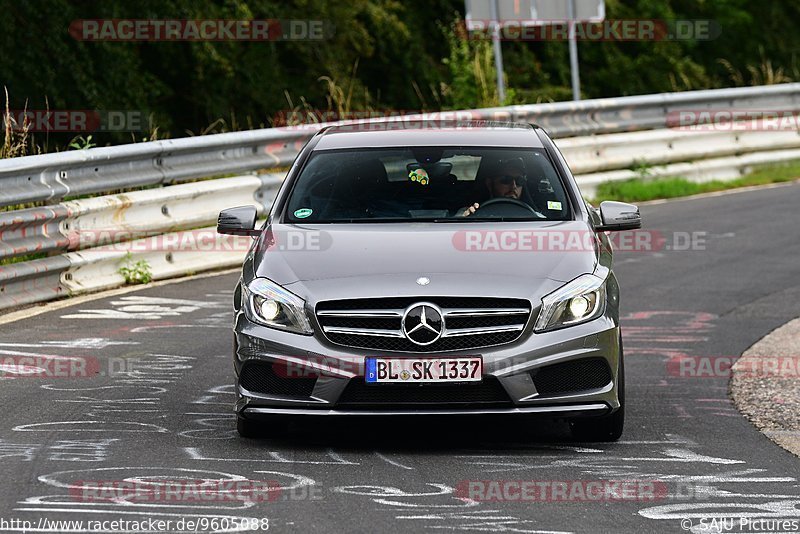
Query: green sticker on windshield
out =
(302, 213)
(553, 205)
(420, 176)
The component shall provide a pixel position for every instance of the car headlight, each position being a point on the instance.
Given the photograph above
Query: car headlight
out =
(576, 302)
(269, 304)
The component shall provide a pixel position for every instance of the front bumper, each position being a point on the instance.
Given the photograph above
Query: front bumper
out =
(513, 366)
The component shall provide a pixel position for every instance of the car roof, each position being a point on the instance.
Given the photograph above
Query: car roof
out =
(399, 133)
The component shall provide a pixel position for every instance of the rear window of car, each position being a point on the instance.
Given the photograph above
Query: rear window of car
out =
(427, 183)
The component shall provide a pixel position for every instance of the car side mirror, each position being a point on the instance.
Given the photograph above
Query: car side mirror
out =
(618, 216)
(238, 221)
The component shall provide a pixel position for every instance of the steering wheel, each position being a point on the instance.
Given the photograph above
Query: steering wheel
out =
(503, 206)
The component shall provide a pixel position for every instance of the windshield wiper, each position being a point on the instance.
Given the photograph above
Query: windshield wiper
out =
(485, 219)
(367, 220)
(424, 219)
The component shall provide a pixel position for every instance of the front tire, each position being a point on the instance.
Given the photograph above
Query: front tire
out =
(608, 427)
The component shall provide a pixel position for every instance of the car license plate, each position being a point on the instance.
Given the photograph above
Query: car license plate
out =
(420, 370)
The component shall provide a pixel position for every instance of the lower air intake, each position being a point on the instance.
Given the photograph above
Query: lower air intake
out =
(488, 393)
(263, 378)
(570, 377)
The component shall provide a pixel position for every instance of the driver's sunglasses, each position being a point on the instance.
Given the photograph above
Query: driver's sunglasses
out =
(519, 181)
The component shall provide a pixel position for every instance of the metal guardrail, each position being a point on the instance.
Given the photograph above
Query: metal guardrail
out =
(79, 224)
(90, 228)
(52, 177)
(644, 112)
(597, 153)
(701, 170)
(63, 228)
(32, 230)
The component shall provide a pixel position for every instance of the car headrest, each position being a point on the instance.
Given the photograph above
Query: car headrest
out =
(366, 174)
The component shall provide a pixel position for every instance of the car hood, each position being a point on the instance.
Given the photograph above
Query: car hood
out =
(350, 260)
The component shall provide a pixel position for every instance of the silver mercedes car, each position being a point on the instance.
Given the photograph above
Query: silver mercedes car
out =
(418, 268)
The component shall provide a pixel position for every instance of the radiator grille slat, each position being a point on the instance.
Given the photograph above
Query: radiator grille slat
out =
(468, 322)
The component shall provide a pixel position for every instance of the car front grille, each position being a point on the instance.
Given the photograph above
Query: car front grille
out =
(359, 394)
(263, 378)
(468, 322)
(570, 377)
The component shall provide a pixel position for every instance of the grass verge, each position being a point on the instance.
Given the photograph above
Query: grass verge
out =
(21, 259)
(639, 190)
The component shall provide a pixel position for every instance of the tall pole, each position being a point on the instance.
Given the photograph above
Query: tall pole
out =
(573, 52)
(498, 53)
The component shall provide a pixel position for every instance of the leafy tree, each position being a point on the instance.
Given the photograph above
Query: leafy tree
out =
(382, 54)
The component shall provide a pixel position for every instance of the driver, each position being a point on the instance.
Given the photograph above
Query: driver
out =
(506, 180)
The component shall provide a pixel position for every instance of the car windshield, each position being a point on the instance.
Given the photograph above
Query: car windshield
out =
(427, 183)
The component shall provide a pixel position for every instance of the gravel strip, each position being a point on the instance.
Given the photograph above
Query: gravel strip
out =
(765, 385)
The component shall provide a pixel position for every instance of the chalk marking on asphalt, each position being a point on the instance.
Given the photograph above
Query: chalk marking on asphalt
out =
(211, 517)
(145, 308)
(53, 427)
(489, 524)
(65, 500)
(301, 480)
(390, 491)
(144, 329)
(209, 396)
(102, 409)
(390, 461)
(468, 514)
(775, 509)
(486, 519)
(682, 455)
(336, 456)
(194, 454)
(490, 458)
(12, 450)
(149, 400)
(727, 477)
(164, 473)
(213, 426)
(7, 352)
(464, 503)
(156, 390)
(81, 343)
(493, 526)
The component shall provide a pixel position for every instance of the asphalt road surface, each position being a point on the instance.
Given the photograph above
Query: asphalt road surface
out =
(158, 408)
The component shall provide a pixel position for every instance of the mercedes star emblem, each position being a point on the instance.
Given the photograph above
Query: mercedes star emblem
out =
(423, 323)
